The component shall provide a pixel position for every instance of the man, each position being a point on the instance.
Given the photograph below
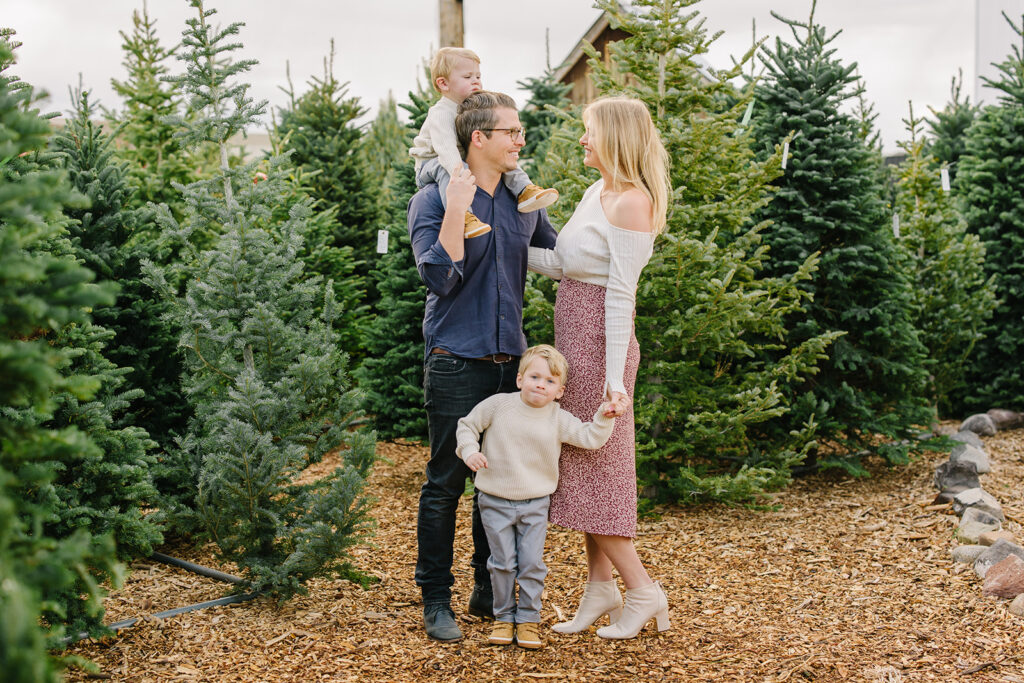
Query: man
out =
(473, 329)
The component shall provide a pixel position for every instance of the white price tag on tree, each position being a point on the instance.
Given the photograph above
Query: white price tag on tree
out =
(382, 241)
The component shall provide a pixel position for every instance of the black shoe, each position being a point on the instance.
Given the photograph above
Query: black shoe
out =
(481, 602)
(439, 620)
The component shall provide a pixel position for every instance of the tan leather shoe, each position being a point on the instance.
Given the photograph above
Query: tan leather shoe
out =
(535, 198)
(475, 227)
(528, 636)
(502, 633)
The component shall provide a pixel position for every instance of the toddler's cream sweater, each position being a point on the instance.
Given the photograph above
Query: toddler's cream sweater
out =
(522, 443)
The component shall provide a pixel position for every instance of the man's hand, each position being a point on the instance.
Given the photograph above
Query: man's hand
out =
(476, 461)
(460, 192)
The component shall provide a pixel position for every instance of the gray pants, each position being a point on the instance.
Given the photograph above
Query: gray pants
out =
(516, 530)
(431, 171)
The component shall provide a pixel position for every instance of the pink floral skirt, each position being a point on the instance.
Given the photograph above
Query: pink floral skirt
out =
(596, 488)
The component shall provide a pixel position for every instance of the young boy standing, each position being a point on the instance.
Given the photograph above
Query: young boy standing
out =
(522, 437)
(456, 73)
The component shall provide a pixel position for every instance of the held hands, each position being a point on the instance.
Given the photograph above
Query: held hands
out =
(476, 461)
(461, 189)
(616, 405)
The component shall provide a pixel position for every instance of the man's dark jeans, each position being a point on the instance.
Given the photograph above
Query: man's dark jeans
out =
(451, 387)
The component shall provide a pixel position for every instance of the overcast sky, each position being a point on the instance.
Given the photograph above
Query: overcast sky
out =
(906, 49)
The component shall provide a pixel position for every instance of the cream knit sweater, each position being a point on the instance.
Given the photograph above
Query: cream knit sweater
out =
(590, 249)
(522, 443)
(437, 137)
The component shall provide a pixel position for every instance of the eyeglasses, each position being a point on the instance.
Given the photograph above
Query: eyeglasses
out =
(513, 133)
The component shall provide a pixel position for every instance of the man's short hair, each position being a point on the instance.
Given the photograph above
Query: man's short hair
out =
(557, 364)
(444, 61)
(477, 113)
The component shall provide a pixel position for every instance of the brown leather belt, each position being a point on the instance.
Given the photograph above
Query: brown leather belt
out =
(499, 358)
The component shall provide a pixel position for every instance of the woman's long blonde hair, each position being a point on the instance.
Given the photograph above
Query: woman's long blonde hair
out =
(630, 148)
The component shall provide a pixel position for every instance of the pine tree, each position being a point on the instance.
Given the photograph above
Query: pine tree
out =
(155, 160)
(106, 239)
(391, 376)
(990, 184)
(385, 145)
(703, 307)
(949, 127)
(266, 381)
(537, 117)
(107, 494)
(950, 296)
(320, 130)
(40, 294)
(831, 201)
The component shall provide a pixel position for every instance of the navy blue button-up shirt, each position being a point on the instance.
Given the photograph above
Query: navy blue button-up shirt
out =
(475, 306)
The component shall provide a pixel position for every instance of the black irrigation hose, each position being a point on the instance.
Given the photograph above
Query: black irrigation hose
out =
(188, 566)
(195, 568)
(229, 600)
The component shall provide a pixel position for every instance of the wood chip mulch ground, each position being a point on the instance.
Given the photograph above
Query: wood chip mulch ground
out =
(846, 580)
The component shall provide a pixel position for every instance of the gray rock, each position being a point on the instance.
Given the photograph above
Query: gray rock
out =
(981, 424)
(971, 532)
(1006, 419)
(968, 437)
(967, 554)
(978, 498)
(1005, 579)
(1017, 606)
(979, 515)
(996, 553)
(963, 452)
(957, 476)
(945, 497)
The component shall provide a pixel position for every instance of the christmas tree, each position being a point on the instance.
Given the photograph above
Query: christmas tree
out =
(385, 145)
(391, 376)
(320, 130)
(107, 494)
(40, 294)
(541, 116)
(265, 378)
(830, 201)
(949, 127)
(703, 307)
(155, 160)
(992, 193)
(950, 296)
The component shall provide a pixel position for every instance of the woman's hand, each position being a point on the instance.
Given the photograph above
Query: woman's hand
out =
(618, 403)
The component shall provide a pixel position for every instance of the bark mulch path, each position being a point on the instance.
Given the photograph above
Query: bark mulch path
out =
(847, 580)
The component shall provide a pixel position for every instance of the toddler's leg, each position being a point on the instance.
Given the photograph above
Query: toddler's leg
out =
(433, 171)
(531, 530)
(498, 517)
(531, 197)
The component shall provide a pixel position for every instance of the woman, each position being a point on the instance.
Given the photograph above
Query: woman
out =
(598, 258)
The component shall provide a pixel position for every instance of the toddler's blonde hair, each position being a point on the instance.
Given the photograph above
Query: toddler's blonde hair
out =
(444, 60)
(557, 364)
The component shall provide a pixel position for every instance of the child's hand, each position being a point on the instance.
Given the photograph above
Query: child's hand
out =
(476, 461)
(608, 409)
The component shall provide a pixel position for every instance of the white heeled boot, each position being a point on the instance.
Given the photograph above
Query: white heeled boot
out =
(599, 598)
(642, 605)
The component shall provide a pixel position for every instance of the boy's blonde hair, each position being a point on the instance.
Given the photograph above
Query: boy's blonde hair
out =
(557, 364)
(444, 60)
(629, 145)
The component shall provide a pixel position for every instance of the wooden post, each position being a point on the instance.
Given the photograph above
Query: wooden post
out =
(451, 23)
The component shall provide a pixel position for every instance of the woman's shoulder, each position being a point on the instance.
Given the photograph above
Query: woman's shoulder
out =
(630, 210)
